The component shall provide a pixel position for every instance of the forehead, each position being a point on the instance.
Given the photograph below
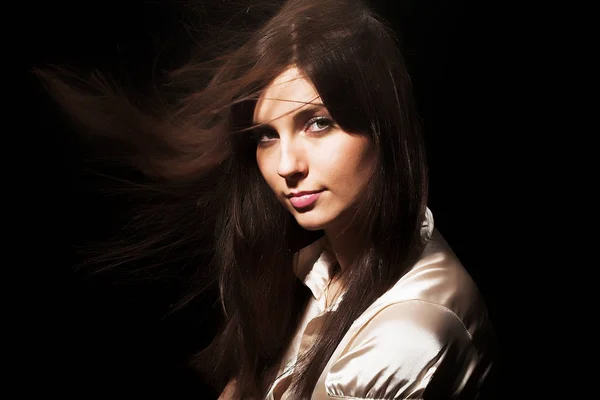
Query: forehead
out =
(288, 92)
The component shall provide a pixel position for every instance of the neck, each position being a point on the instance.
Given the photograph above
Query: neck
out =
(345, 246)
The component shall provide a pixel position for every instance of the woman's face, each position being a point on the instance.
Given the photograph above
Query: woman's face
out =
(316, 169)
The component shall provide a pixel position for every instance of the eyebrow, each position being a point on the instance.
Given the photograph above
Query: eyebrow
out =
(301, 115)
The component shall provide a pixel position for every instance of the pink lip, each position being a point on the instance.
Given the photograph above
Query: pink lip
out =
(304, 199)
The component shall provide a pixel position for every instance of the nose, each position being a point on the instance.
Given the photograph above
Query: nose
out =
(292, 162)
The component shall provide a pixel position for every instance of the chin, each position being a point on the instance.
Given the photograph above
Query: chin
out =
(309, 226)
(311, 222)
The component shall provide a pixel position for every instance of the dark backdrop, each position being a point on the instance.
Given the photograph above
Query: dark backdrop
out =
(90, 335)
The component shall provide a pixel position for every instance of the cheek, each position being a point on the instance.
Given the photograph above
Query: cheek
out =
(353, 164)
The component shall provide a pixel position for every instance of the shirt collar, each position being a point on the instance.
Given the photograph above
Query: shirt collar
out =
(314, 264)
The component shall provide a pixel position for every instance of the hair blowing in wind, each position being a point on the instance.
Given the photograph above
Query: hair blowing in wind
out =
(200, 189)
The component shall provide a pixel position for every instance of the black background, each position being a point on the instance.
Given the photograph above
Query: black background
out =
(88, 336)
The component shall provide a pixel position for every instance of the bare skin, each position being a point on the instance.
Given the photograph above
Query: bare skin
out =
(304, 150)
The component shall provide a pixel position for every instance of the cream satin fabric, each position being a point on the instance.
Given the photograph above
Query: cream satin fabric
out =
(429, 329)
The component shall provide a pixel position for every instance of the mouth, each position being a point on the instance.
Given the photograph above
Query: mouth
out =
(304, 200)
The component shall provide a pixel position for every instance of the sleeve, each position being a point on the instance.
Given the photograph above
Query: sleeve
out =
(408, 350)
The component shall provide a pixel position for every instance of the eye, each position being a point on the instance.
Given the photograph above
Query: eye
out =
(319, 124)
(263, 135)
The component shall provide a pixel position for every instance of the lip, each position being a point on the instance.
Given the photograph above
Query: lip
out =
(302, 200)
(303, 193)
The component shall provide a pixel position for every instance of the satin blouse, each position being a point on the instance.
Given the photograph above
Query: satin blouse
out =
(430, 331)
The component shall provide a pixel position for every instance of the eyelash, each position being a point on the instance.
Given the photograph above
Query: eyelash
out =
(319, 119)
(262, 134)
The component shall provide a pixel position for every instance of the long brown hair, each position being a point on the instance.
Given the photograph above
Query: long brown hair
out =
(194, 147)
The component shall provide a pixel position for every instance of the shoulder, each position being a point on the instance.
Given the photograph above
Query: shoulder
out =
(402, 351)
(439, 278)
(429, 333)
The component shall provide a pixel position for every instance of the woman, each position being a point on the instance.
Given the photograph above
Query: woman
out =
(302, 150)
